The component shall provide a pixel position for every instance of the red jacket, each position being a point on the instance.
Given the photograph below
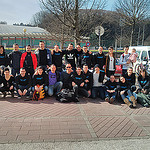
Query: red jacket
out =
(34, 60)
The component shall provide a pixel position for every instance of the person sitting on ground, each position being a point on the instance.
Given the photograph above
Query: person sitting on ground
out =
(89, 79)
(98, 77)
(8, 83)
(23, 84)
(54, 80)
(110, 89)
(66, 77)
(144, 88)
(127, 96)
(78, 79)
(130, 77)
(40, 80)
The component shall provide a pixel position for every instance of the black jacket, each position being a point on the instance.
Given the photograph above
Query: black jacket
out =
(86, 58)
(23, 81)
(88, 76)
(144, 83)
(14, 58)
(66, 80)
(4, 60)
(111, 85)
(40, 79)
(99, 59)
(78, 79)
(123, 86)
(130, 79)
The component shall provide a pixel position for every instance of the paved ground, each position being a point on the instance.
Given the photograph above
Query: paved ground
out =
(129, 144)
(49, 120)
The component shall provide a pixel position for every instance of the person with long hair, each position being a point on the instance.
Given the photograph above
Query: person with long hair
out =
(110, 65)
(144, 89)
(4, 60)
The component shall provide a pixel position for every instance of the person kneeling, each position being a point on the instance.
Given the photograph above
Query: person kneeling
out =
(110, 92)
(128, 97)
(23, 83)
(54, 81)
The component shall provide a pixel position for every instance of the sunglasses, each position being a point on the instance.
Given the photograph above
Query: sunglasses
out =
(68, 67)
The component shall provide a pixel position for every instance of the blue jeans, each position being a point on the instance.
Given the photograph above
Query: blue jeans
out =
(98, 91)
(15, 71)
(109, 95)
(128, 94)
(57, 86)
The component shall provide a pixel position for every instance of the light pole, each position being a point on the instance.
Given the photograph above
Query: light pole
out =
(25, 30)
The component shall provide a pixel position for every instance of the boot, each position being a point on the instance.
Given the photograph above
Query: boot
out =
(127, 102)
(133, 101)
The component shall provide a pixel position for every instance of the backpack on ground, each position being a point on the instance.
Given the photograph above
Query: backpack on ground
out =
(66, 96)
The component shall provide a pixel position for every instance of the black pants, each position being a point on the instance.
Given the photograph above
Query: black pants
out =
(80, 91)
(6, 89)
(30, 71)
(109, 73)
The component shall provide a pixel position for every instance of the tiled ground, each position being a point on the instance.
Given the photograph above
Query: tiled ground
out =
(49, 120)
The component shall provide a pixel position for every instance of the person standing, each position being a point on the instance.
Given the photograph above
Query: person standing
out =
(57, 56)
(70, 56)
(78, 52)
(28, 61)
(14, 58)
(110, 65)
(124, 60)
(43, 56)
(86, 58)
(99, 58)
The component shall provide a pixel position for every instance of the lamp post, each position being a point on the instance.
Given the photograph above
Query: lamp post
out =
(25, 30)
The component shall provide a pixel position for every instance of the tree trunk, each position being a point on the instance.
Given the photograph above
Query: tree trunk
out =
(76, 24)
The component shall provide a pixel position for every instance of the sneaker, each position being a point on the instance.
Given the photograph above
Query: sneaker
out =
(27, 97)
(107, 99)
(19, 97)
(111, 100)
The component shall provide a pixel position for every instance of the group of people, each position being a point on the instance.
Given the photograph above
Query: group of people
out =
(87, 74)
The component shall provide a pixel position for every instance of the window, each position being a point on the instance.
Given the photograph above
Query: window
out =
(144, 55)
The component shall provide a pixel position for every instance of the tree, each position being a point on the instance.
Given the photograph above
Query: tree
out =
(132, 12)
(68, 14)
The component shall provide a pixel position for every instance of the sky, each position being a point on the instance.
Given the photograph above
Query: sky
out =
(21, 11)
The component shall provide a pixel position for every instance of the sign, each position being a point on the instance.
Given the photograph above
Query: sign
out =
(88, 44)
(99, 30)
